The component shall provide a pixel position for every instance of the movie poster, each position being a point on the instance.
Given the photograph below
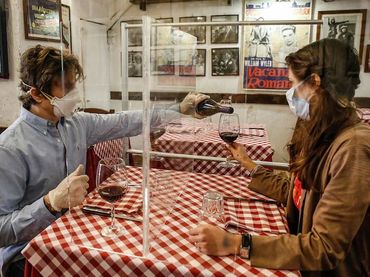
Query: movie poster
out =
(266, 46)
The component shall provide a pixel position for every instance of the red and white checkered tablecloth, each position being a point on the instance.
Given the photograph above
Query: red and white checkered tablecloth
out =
(208, 143)
(69, 247)
(365, 115)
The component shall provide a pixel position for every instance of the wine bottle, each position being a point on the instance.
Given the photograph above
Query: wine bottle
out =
(209, 107)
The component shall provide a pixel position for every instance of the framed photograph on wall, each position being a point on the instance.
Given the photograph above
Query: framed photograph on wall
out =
(67, 27)
(226, 34)
(135, 35)
(266, 46)
(344, 25)
(197, 31)
(225, 61)
(135, 66)
(41, 19)
(192, 62)
(162, 62)
(367, 59)
(163, 35)
(4, 67)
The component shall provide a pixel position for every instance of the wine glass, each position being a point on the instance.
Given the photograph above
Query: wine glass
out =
(111, 182)
(155, 134)
(212, 206)
(228, 130)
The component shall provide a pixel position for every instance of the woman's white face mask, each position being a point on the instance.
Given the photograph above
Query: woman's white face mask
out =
(65, 106)
(299, 106)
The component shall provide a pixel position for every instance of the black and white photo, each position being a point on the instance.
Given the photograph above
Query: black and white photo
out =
(135, 66)
(4, 69)
(163, 35)
(225, 34)
(197, 31)
(225, 62)
(135, 35)
(67, 28)
(162, 62)
(345, 25)
(193, 62)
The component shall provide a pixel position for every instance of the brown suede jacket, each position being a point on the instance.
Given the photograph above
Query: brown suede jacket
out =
(330, 236)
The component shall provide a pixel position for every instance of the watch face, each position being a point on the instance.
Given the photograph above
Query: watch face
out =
(244, 252)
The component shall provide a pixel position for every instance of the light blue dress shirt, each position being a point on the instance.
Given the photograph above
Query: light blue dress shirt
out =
(34, 157)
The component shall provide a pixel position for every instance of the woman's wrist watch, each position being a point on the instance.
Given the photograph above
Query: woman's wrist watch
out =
(246, 245)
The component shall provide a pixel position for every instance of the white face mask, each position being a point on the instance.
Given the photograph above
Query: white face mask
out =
(65, 106)
(300, 107)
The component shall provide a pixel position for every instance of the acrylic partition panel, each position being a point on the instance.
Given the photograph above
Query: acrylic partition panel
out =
(177, 158)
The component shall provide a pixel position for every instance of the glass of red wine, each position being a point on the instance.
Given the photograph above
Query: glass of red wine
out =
(111, 182)
(228, 129)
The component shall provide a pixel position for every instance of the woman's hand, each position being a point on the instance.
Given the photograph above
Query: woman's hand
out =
(238, 153)
(214, 241)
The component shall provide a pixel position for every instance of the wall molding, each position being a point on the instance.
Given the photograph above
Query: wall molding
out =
(269, 99)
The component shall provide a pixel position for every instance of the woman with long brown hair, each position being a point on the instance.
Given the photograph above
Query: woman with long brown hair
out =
(327, 197)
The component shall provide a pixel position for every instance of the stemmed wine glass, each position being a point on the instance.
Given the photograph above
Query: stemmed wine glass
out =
(228, 130)
(111, 186)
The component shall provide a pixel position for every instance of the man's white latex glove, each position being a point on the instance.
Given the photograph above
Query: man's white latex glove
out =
(187, 106)
(77, 183)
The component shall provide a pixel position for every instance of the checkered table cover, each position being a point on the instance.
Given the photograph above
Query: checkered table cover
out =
(209, 143)
(110, 148)
(365, 115)
(68, 247)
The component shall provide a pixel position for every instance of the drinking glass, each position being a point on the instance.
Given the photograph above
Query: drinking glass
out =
(212, 206)
(111, 182)
(228, 130)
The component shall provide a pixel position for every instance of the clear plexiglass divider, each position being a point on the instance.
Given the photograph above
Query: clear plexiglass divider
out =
(166, 196)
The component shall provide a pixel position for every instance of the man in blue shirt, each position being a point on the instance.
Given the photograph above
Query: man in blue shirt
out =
(47, 142)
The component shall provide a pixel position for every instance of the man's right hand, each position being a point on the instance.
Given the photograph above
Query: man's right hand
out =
(77, 183)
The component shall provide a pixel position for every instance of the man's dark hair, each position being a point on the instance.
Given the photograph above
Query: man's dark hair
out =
(40, 66)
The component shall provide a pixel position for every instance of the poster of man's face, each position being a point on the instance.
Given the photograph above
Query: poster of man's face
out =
(135, 66)
(162, 62)
(197, 31)
(224, 33)
(193, 62)
(225, 62)
(135, 35)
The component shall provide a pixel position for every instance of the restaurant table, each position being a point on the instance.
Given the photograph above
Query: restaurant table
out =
(198, 141)
(68, 247)
(365, 115)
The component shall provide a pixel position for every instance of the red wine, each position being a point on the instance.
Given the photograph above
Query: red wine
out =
(112, 193)
(228, 137)
(209, 107)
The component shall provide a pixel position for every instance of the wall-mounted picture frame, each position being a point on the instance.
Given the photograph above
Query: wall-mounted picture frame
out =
(367, 59)
(135, 65)
(224, 34)
(135, 35)
(163, 35)
(266, 46)
(67, 27)
(197, 31)
(193, 62)
(162, 61)
(345, 25)
(4, 66)
(225, 61)
(41, 19)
